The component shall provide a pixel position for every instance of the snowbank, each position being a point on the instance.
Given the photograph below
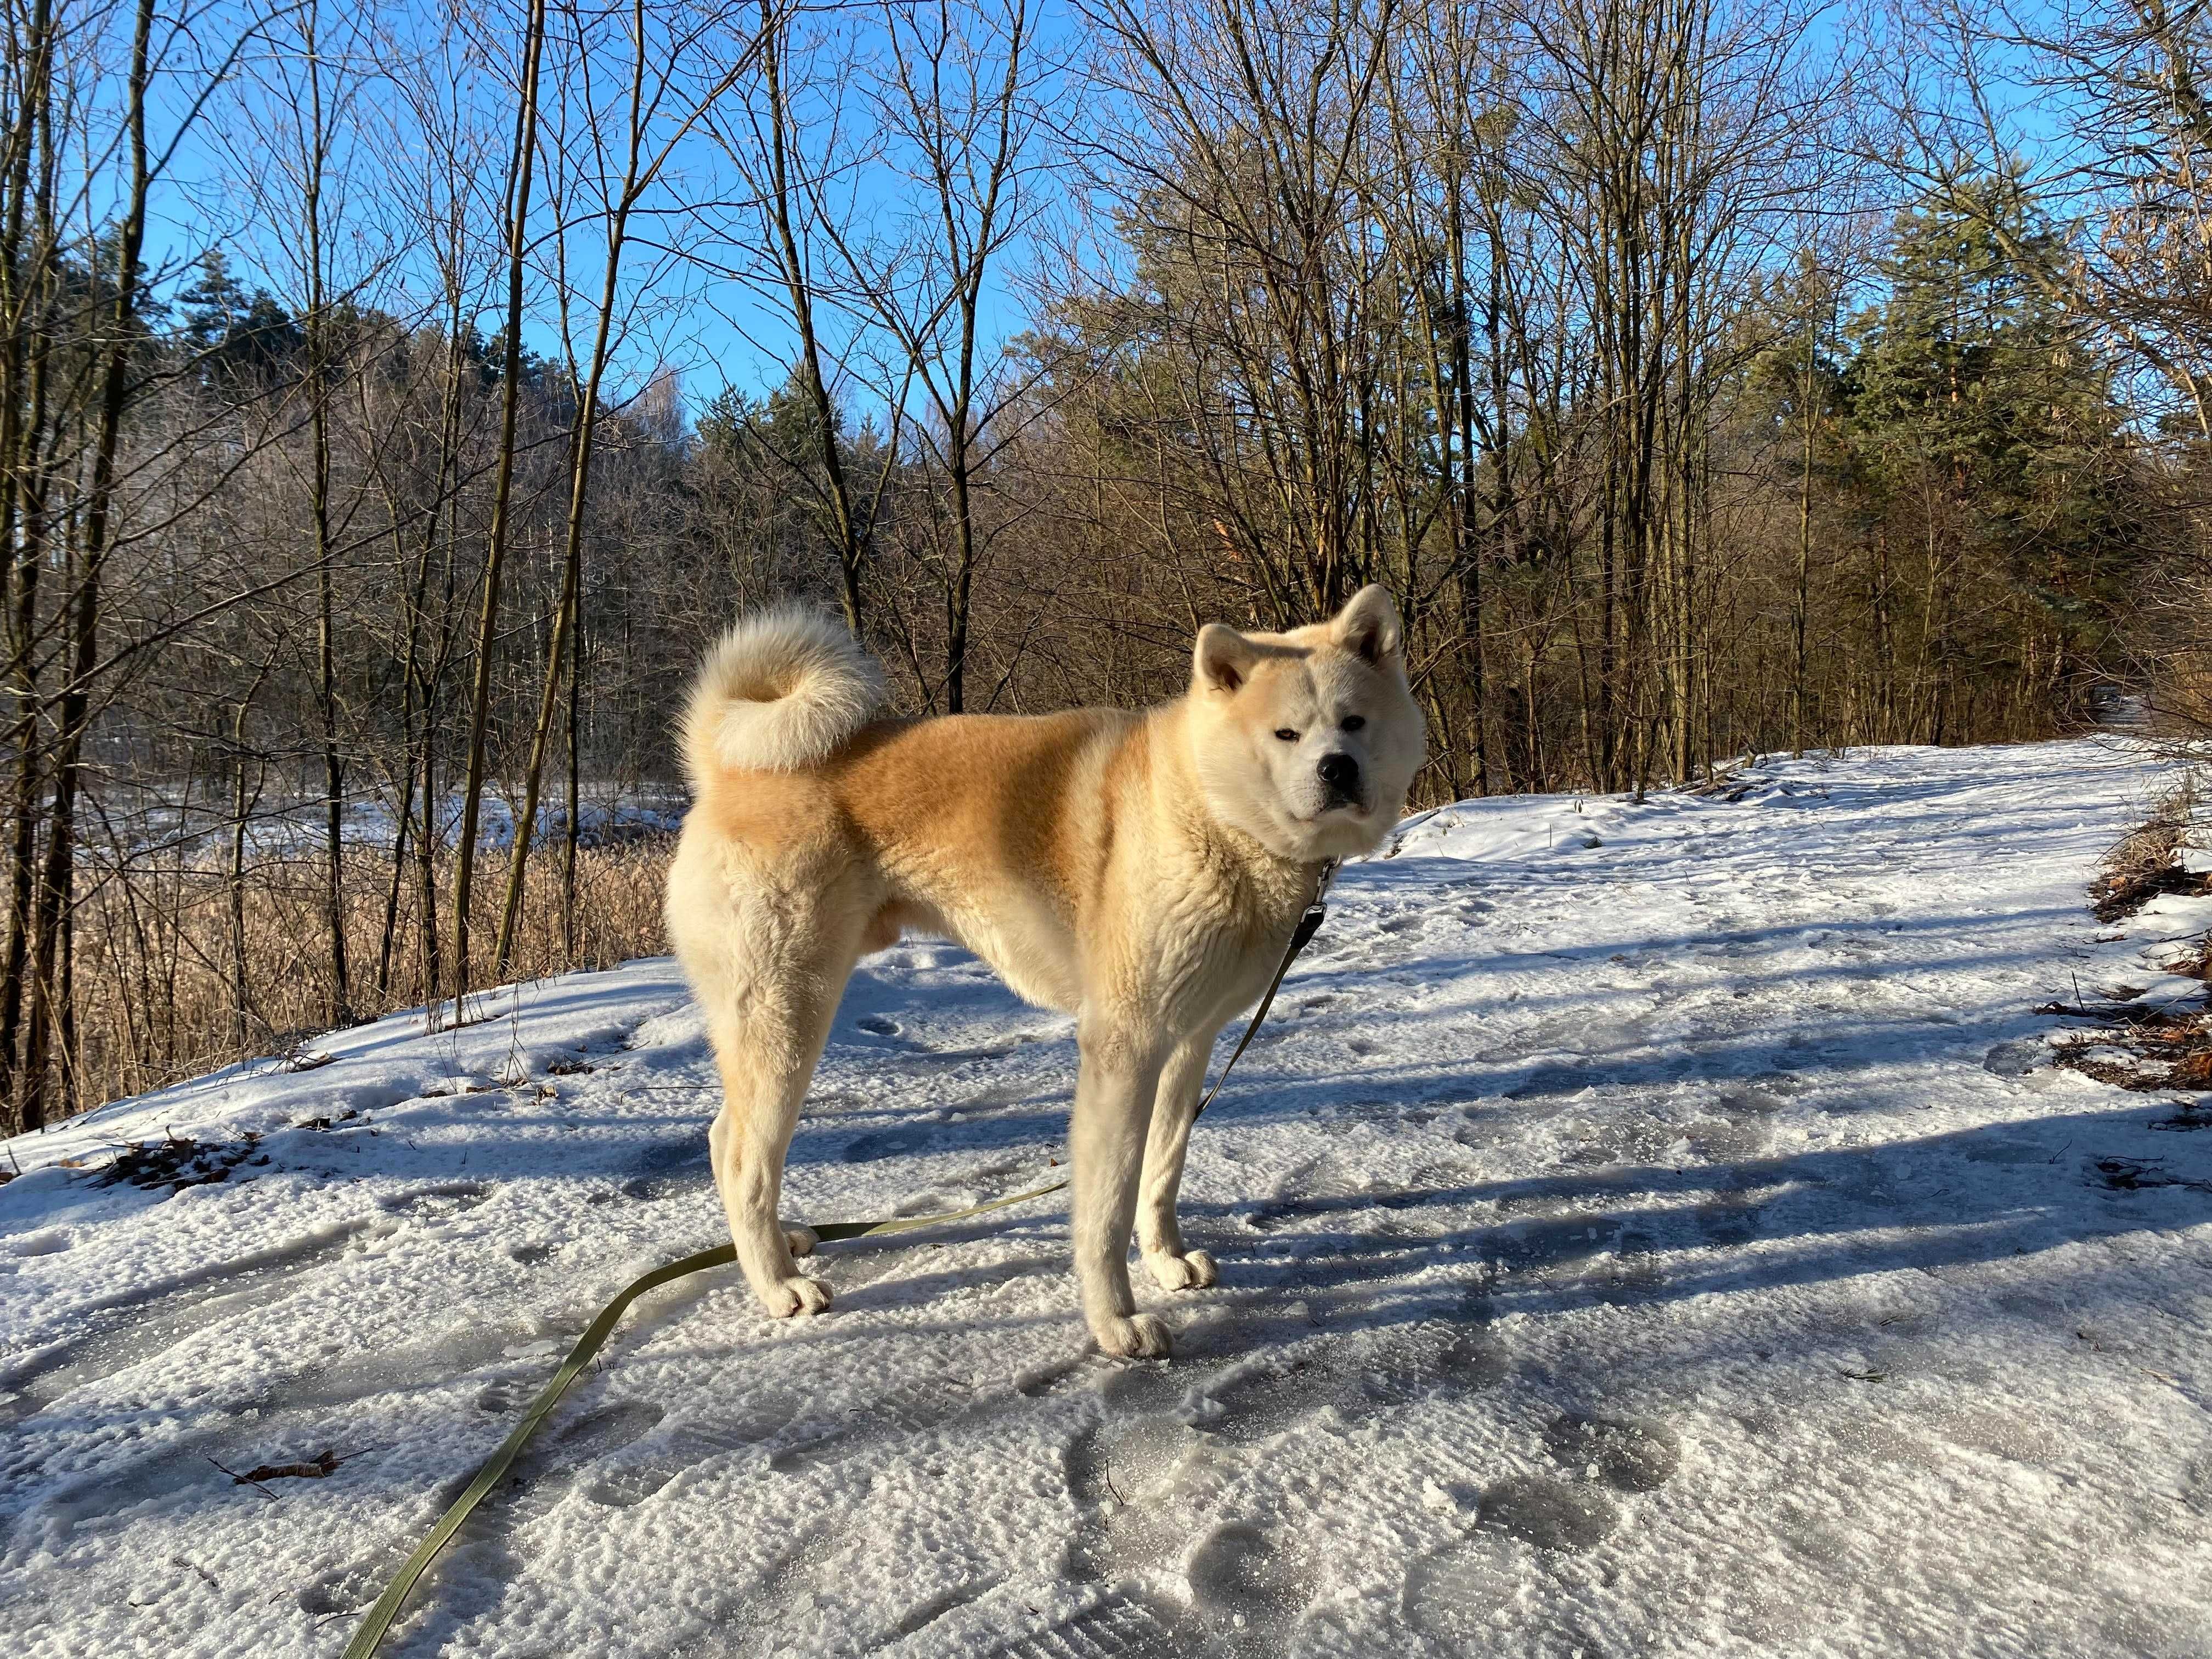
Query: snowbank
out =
(1651, 1230)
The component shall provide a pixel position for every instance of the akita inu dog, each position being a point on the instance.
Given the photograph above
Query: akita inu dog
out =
(1140, 870)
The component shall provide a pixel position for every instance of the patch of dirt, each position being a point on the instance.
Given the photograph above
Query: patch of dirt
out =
(2197, 964)
(179, 1162)
(2187, 1114)
(2129, 1175)
(2141, 1048)
(349, 1116)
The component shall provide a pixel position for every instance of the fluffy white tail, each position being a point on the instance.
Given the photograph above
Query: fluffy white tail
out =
(782, 690)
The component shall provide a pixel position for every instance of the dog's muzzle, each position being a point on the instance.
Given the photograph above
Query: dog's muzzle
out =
(1339, 776)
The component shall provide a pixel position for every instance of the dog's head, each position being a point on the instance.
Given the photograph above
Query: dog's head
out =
(1308, 741)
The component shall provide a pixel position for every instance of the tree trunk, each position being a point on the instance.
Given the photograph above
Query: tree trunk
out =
(49, 1016)
(526, 153)
(316, 323)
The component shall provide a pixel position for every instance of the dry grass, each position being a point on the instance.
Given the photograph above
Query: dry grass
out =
(2146, 1049)
(158, 990)
(2147, 862)
(2140, 1046)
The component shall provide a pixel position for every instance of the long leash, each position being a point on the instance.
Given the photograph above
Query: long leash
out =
(378, 1623)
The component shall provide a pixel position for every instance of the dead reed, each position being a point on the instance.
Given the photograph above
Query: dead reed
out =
(180, 968)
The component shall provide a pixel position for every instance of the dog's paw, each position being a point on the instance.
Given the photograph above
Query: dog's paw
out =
(1140, 1336)
(1194, 1272)
(800, 1241)
(796, 1295)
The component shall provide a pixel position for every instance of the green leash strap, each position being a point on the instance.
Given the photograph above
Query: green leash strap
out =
(379, 1622)
(381, 1617)
(830, 1232)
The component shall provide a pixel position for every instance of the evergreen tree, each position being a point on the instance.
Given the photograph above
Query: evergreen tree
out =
(1972, 363)
(1985, 429)
(235, 334)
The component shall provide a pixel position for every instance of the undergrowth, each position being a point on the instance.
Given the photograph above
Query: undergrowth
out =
(2147, 860)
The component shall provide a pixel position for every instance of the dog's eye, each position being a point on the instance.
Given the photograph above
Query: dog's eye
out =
(1286, 734)
(1353, 722)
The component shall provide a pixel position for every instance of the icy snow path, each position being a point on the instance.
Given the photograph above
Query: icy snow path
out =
(1676, 1245)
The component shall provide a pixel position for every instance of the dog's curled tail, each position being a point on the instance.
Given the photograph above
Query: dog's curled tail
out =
(782, 690)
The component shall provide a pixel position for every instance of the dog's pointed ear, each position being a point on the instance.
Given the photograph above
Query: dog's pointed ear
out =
(1369, 625)
(1223, 659)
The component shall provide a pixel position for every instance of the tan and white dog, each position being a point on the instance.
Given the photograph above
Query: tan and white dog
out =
(1140, 870)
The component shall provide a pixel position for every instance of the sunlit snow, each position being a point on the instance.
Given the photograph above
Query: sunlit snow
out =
(1644, 1230)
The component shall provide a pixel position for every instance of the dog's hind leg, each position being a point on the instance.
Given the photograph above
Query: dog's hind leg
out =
(1114, 1092)
(768, 1034)
(1174, 1109)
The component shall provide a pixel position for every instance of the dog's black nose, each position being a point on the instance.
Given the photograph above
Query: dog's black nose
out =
(1340, 773)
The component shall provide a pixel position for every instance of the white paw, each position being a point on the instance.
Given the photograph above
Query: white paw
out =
(795, 1295)
(800, 1241)
(1194, 1272)
(1140, 1336)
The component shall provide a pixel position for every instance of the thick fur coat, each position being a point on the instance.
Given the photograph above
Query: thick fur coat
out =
(1140, 870)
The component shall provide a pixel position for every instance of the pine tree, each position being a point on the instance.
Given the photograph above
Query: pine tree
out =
(1985, 427)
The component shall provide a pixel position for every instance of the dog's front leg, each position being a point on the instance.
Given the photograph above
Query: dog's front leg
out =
(1159, 1240)
(1114, 1093)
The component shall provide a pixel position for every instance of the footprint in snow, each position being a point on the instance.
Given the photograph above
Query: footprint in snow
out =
(1731, 1220)
(132, 1332)
(2016, 1058)
(1547, 1513)
(1242, 1574)
(535, 1485)
(1470, 1360)
(894, 1142)
(542, 1475)
(667, 1168)
(1729, 1140)
(780, 1424)
(344, 1589)
(1630, 1454)
(623, 1482)
(1455, 1593)
(1548, 1082)
(1123, 1626)
(1260, 1401)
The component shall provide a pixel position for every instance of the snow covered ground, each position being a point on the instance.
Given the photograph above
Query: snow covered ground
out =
(1644, 1230)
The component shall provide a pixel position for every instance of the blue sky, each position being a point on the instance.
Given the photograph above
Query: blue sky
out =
(709, 329)
(228, 188)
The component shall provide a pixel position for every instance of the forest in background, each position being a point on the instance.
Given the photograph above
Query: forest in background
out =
(1706, 377)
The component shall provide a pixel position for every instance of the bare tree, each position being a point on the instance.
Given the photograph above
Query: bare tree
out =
(792, 167)
(520, 172)
(957, 101)
(659, 113)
